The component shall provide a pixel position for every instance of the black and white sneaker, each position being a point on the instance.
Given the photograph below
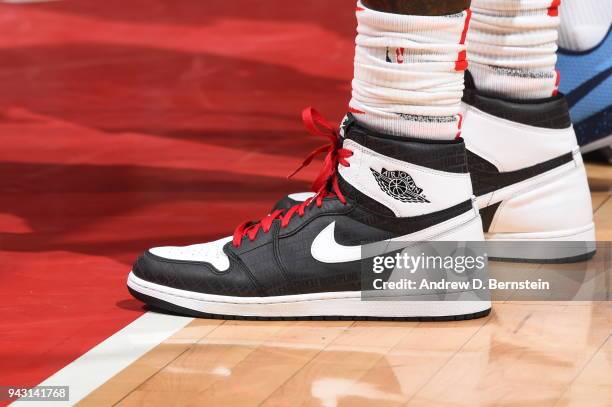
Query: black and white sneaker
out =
(304, 261)
(528, 177)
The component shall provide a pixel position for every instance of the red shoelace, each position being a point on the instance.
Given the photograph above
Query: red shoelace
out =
(325, 185)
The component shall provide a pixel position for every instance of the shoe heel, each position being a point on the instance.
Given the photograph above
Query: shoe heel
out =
(555, 208)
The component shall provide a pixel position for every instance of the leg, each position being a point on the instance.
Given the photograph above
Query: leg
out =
(409, 68)
(419, 7)
(524, 159)
(512, 47)
(397, 171)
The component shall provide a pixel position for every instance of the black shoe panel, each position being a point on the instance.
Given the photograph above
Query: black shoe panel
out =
(404, 226)
(487, 178)
(551, 113)
(262, 262)
(309, 275)
(285, 203)
(487, 214)
(330, 207)
(248, 245)
(441, 155)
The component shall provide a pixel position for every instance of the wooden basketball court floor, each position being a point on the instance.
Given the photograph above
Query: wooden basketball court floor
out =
(526, 353)
(127, 125)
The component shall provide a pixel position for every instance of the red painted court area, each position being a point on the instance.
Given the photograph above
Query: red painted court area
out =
(126, 125)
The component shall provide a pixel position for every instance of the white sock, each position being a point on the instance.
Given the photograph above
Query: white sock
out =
(409, 73)
(512, 46)
(584, 23)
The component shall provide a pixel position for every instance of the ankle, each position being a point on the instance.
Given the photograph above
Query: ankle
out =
(512, 48)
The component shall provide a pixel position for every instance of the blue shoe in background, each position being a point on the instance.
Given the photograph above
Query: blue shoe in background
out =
(587, 83)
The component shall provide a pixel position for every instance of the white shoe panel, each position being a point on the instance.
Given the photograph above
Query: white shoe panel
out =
(524, 186)
(512, 146)
(301, 196)
(440, 189)
(211, 252)
(558, 200)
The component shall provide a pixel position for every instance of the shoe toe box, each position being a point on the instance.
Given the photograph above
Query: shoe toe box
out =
(211, 253)
(204, 268)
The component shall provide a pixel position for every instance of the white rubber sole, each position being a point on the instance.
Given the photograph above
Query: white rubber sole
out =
(332, 304)
(559, 246)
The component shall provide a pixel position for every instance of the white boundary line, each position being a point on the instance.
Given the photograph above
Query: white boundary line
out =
(108, 358)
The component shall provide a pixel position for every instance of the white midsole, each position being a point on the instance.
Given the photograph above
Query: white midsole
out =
(581, 234)
(317, 304)
(556, 245)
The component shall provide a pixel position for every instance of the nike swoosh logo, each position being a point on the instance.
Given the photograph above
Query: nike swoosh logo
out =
(326, 249)
(583, 90)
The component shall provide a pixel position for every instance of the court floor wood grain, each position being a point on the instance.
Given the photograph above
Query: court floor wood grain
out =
(523, 354)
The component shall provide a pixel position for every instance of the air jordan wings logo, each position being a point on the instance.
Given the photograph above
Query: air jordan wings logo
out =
(399, 185)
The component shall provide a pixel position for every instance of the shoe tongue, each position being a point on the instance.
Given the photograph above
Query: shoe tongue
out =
(346, 124)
